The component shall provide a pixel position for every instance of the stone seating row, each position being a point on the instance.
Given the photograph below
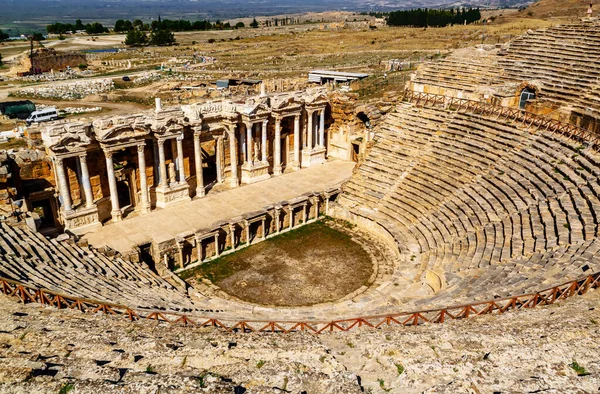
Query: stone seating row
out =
(67, 268)
(485, 193)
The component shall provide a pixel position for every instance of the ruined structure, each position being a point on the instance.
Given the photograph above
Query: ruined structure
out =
(157, 159)
(49, 59)
(479, 194)
(552, 72)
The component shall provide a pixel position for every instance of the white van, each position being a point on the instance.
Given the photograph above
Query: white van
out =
(43, 115)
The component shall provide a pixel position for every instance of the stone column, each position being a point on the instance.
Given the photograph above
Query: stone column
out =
(247, 232)
(63, 186)
(85, 180)
(249, 142)
(179, 246)
(217, 251)
(309, 134)
(180, 160)
(156, 168)
(304, 214)
(162, 164)
(277, 143)
(277, 220)
(296, 142)
(291, 224)
(326, 203)
(112, 184)
(220, 159)
(232, 235)
(264, 142)
(322, 129)
(145, 198)
(233, 156)
(243, 147)
(200, 192)
(199, 248)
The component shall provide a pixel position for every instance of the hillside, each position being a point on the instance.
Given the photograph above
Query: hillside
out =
(558, 9)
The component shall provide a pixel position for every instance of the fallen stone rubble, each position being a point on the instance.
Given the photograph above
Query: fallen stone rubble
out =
(70, 90)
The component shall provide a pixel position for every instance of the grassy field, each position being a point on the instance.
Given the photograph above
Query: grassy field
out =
(313, 264)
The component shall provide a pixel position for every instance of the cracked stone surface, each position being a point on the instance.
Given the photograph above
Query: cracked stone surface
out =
(43, 349)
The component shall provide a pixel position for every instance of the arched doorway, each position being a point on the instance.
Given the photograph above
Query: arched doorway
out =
(526, 94)
(365, 119)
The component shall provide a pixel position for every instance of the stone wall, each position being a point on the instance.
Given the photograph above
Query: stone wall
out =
(48, 59)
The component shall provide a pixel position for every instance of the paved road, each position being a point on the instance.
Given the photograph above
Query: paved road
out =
(164, 224)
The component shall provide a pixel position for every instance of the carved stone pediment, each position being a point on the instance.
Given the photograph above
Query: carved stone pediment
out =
(122, 129)
(286, 104)
(68, 137)
(195, 112)
(316, 100)
(259, 109)
(170, 126)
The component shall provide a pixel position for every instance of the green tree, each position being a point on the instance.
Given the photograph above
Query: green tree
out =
(240, 25)
(120, 26)
(138, 24)
(1, 64)
(3, 36)
(162, 37)
(95, 28)
(254, 24)
(37, 37)
(136, 38)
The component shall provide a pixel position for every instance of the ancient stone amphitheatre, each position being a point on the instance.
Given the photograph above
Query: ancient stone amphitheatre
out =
(430, 230)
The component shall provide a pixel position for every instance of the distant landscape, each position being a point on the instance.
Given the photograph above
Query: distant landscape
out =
(23, 16)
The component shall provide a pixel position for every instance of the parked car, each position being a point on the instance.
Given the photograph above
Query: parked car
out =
(126, 79)
(43, 115)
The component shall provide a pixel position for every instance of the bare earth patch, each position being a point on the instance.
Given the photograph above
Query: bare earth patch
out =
(307, 266)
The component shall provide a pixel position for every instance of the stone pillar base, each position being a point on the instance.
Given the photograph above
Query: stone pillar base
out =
(145, 208)
(255, 173)
(314, 157)
(167, 196)
(82, 220)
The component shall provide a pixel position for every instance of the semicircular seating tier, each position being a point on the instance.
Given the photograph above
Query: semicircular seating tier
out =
(562, 65)
(491, 207)
(82, 272)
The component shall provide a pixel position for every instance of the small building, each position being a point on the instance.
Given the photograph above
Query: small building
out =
(324, 76)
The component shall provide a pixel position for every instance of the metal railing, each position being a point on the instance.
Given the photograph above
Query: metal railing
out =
(514, 114)
(27, 293)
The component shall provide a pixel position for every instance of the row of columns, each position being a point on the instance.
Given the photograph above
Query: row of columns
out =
(112, 182)
(162, 164)
(63, 183)
(247, 143)
(309, 143)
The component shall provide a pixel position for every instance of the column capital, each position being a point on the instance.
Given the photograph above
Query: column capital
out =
(58, 161)
(141, 147)
(83, 157)
(179, 138)
(161, 142)
(196, 136)
(107, 153)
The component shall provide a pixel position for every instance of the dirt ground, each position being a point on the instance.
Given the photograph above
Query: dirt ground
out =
(307, 266)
